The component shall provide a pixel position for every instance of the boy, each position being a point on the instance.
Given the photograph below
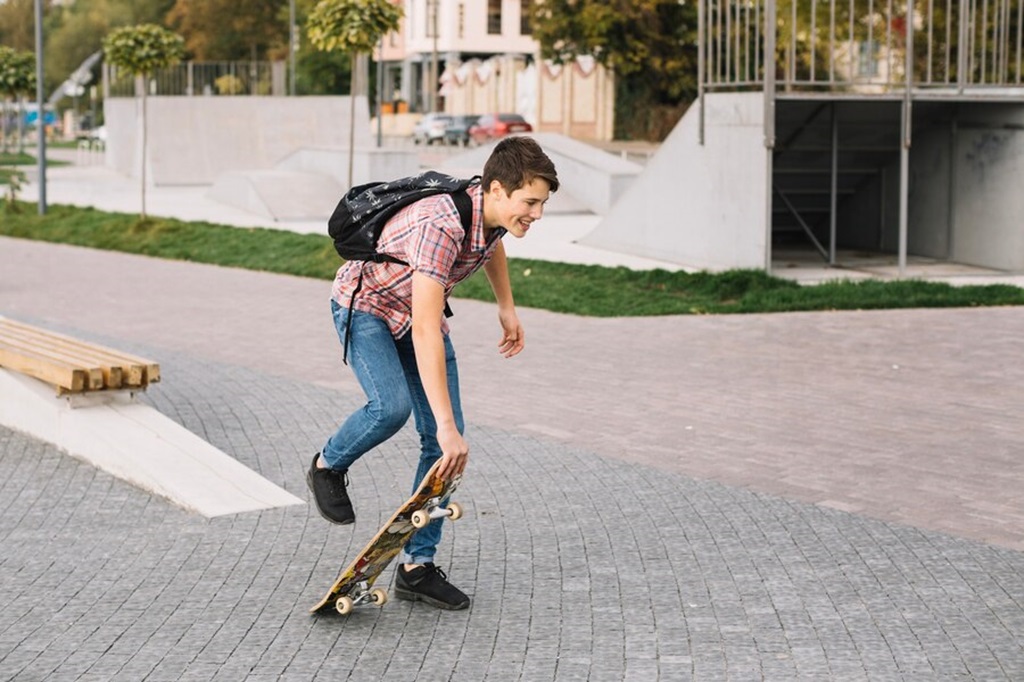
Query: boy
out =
(398, 343)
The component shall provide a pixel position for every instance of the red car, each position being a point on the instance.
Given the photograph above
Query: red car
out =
(493, 126)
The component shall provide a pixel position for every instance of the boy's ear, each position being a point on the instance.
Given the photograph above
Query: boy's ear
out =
(496, 186)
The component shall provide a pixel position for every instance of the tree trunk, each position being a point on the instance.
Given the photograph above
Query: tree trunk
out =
(142, 80)
(3, 125)
(351, 119)
(21, 123)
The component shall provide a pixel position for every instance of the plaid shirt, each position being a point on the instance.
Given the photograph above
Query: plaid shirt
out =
(428, 235)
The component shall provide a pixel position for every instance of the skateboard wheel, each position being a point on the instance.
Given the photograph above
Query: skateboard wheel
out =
(455, 511)
(420, 519)
(379, 596)
(344, 605)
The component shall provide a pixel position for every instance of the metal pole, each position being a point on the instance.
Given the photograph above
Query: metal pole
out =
(40, 109)
(291, 47)
(380, 95)
(701, 47)
(905, 135)
(769, 124)
(834, 190)
(433, 59)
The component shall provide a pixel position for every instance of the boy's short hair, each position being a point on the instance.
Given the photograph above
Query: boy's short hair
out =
(516, 161)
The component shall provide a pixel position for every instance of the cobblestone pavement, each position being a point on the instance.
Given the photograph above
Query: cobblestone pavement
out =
(830, 496)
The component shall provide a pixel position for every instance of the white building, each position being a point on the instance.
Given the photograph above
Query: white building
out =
(478, 56)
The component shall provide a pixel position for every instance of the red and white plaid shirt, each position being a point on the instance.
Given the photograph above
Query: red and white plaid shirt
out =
(428, 235)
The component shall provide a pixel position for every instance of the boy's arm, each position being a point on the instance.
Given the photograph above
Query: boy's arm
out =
(428, 342)
(496, 269)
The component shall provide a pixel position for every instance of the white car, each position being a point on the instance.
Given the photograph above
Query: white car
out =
(431, 128)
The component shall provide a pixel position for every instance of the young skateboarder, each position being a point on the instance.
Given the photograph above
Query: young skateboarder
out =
(398, 343)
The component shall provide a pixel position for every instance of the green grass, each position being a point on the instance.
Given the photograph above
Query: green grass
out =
(7, 173)
(579, 289)
(11, 163)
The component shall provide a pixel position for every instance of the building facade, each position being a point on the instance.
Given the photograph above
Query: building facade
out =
(478, 56)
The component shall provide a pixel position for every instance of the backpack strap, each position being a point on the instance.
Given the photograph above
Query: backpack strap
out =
(464, 205)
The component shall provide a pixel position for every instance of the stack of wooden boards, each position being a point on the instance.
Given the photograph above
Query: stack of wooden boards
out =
(71, 365)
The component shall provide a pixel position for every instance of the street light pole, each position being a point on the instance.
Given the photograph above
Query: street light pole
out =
(433, 61)
(380, 94)
(291, 47)
(40, 109)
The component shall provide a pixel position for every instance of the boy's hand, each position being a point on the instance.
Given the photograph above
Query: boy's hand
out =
(455, 453)
(512, 339)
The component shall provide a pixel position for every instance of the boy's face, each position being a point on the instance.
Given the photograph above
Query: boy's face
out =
(515, 212)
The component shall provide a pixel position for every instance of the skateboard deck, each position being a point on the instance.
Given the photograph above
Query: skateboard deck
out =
(354, 586)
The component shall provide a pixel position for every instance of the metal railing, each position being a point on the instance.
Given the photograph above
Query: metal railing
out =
(202, 78)
(861, 45)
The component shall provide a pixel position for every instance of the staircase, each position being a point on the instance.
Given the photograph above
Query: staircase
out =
(833, 156)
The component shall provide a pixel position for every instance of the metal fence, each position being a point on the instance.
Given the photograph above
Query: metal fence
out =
(861, 45)
(203, 78)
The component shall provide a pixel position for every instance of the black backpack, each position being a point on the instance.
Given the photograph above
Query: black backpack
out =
(361, 215)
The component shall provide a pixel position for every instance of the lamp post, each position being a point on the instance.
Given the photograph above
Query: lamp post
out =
(433, 57)
(291, 47)
(380, 94)
(40, 109)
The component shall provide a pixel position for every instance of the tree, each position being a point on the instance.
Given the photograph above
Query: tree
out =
(17, 23)
(355, 27)
(650, 45)
(140, 50)
(79, 28)
(17, 78)
(232, 29)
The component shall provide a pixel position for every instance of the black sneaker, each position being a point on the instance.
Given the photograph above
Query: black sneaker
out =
(429, 583)
(328, 488)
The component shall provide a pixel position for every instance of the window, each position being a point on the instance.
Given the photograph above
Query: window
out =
(524, 17)
(494, 17)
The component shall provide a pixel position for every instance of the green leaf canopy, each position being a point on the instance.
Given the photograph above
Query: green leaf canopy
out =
(354, 26)
(142, 49)
(17, 72)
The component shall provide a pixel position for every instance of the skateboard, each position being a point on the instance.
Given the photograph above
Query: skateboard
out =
(354, 587)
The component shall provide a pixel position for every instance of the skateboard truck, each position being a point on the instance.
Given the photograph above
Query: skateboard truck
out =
(360, 595)
(434, 510)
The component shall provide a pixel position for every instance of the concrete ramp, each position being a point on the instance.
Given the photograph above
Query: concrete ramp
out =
(701, 206)
(137, 444)
(278, 195)
(368, 164)
(591, 179)
(307, 183)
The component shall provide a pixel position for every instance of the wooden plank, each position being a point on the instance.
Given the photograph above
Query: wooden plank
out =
(110, 377)
(136, 371)
(62, 375)
(112, 374)
(125, 357)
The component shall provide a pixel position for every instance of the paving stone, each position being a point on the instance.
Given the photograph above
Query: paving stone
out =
(586, 559)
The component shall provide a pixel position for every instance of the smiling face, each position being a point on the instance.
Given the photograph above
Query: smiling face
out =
(516, 211)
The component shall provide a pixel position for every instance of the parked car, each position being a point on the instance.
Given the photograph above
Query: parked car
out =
(430, 128)
(493, 126)
(457, 132)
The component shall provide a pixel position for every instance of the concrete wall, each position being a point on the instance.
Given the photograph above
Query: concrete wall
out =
(368, 165)
(592, 179)
(966, 202)
(703, 207)
(193, 140)
(988, 208)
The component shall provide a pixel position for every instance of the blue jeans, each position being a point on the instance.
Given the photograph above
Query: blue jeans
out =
(386, 369)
